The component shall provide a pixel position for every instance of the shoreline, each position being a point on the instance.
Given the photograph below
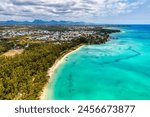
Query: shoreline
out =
(54, 67)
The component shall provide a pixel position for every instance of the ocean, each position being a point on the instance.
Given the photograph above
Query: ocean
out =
(117, 70)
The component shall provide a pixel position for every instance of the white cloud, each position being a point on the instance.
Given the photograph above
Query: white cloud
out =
(64, 9)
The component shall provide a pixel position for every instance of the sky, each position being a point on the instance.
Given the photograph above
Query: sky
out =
(94, 11)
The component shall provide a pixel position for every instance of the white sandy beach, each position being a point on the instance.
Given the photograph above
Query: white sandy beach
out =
(52, 70)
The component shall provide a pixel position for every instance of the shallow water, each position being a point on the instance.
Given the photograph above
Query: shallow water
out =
(117, 70)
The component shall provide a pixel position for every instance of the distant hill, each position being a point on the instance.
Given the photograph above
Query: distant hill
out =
(41, 22)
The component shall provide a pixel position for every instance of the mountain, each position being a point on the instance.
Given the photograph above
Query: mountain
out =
(41, 22)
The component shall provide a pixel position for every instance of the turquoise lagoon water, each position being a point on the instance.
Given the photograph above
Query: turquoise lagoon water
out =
(117, 70)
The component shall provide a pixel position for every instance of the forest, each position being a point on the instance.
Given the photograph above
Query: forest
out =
(24, 76)
(4, 46)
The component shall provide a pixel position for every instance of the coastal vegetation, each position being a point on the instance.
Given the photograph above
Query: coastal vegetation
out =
(5, 46)
(24, 76)
(92, 39)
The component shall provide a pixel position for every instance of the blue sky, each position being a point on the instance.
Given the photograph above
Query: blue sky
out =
(97, 11)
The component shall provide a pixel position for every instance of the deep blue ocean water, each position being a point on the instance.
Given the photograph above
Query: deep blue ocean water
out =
(117, 70)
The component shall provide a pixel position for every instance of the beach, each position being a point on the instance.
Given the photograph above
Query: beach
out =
(51, 70)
